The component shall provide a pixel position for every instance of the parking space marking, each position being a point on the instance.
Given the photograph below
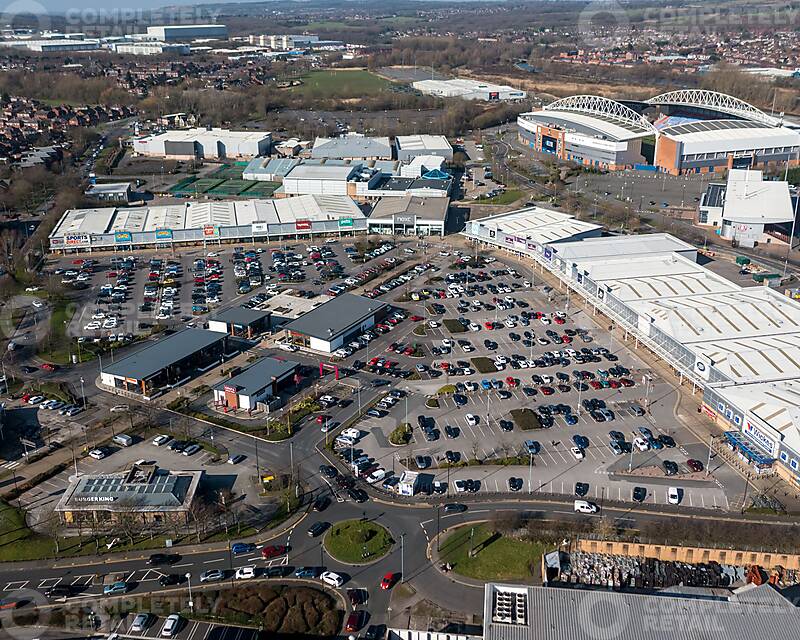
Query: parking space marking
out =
(83, 580)
(14, 586)
(49, 582)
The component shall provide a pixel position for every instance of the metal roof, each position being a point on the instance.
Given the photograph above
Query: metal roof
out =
(753, 201)
(538, 224)
(352, 146)
(425, 208)
(335, 317)
(423, 143)
(240, 315)
(586, 614)
(158, 355)
(644, 244)
(258, 375)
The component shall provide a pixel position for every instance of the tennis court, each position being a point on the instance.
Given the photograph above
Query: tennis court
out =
(261, 189)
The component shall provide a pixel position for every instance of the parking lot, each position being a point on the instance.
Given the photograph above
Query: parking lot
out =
(188, 630)
(532, 371)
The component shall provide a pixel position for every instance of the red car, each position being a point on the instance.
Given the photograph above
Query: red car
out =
(489, 325)
(694, 465)
(388, 580)
(559, 320)
(416, 318)
(565, 338)
(354, 621)
(547, 391)
(273, 551)
(78, 261)
(626, 382)
(322, 418)
(111, 274)
(392, 347)
(594, 384)
(511, 382)
(393, 321)
(614, 384)
(49, 367)
(408, 351)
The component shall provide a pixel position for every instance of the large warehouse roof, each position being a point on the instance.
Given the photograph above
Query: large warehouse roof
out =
(538, 224)
(194, 215)
(647, 244)
(148, 361)
(424, 208)
(535, 613)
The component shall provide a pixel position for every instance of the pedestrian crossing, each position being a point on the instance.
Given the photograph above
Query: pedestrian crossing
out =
(11, 464)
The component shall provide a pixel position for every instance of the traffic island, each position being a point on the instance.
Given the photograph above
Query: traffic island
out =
(357, 541)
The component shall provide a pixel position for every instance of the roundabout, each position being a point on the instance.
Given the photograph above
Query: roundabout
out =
(357, 541)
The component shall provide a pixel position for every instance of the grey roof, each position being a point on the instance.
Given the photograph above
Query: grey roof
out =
(578, 614)
(241, 316)
(335, 317)
(140, 489)
(259, 374)
(424, 208)
(351, 146)
(158, 355)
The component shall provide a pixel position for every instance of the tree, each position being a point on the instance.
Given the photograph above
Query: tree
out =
(52, 528)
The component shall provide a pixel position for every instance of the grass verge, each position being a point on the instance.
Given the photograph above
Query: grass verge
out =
(453, 325)
(348, 541)
(484, 365)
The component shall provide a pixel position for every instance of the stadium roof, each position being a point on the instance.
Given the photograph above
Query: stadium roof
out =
(603, 109)
(331, 319)
(154, 357)
(715, 101)
(713, 135)
(597, 124)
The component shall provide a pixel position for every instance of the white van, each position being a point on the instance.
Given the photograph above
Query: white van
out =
(122, 439)
(584, 506)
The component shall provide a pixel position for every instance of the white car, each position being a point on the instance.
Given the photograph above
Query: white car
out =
(584, 506)
(501, 359)
(161, 440)
(332, 579)
(98, 315)
(577, 452)
(92, 326)
(471, 386)
(37, 304)
(641, 444)
(36, 399)
(97, 454)
(376, 476)
(31, 289)
(287, 347)
(447, 342)
(171, 626)
(140, 622)
(472, 419)
(474, 326)
(433, 324)
(544, 320)
(119, 408)
(674, 495)
(245, 573)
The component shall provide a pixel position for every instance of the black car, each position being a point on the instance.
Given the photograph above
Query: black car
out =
(317, 528)
(670, 467)
(581, 488)
(276, 572)
(28, 369)
(171, 579)
(162, 558)
(639, 494)
(515, 484)
(667, 441)
(59, 591)
(529, 391)
(637, 410)
(357, 596)
(506, 425)
(452, 457)
(321, 503)
(454, 507)
(451, 432)
(459, 400)
(358, 495)
(328, 471)
(375, 632)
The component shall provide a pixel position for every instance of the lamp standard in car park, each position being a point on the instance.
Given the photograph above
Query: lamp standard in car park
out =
(530, 471)
(191, 602)
(402, 558)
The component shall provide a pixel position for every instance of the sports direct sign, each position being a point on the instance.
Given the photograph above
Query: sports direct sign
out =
(302, 225)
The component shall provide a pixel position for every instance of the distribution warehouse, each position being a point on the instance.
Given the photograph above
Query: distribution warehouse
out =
(694, 131)
(204, 143)
(740, 345)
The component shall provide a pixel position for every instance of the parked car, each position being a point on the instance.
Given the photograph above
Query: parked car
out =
(171, 626)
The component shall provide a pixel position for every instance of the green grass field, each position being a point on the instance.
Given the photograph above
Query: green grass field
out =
(500, 559)
(347, 540)
(341, 84)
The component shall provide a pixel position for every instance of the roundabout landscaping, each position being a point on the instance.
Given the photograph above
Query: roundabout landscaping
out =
(357, 541)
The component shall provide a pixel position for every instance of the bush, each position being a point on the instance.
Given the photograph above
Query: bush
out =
(526, 419)
(401, 434)
(484, 365)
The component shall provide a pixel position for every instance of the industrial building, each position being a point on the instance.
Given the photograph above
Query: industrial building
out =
(749, 210)
(150, 48)
(590, 130)
(469, 90)
(151, 495)
(166, 363)
(410, 215)
(741, 346)
(258, 383)
(186, 32)
(409, 147)
(109, 191)
(694, 131)
(530, 230)
(293, 42)
(333, 324)
(269, 169)
(200, 143)
(240, 322)
(352, 146)
(54, 45)
(124, 228)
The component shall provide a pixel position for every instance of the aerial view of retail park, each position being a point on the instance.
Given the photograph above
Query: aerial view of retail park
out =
(412, 321)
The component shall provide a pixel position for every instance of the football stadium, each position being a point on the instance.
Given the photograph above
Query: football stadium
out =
(678, 132)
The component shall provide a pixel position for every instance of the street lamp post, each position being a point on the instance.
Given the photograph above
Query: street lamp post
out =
(83, 395)
(530, 472)
(191, 602)
(710, 446)
(402, 558)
